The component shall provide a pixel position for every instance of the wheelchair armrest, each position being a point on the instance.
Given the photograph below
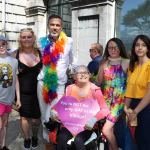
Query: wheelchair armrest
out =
(92, 137)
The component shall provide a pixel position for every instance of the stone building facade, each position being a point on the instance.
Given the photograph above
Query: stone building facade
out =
(16, 15)
(93, 22)
(87, 21)
(12, 19)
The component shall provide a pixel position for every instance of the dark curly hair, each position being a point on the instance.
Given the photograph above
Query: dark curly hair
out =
(120, 45)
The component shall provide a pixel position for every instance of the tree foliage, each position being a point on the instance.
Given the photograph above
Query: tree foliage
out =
(139, 17)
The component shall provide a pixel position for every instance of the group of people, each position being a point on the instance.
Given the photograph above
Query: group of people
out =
(37, 73)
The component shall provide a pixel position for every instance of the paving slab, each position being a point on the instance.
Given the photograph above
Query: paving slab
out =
(14, 138)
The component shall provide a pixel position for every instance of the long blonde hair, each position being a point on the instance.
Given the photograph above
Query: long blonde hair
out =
(35, 47)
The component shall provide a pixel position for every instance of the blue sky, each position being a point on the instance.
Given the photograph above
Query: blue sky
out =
(130, 4)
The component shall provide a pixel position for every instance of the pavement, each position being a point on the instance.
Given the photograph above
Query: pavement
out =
(14, 138)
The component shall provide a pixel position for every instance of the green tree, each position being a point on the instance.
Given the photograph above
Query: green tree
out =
(138, 19)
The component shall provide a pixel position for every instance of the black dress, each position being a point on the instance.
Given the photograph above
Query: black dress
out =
(28, 89)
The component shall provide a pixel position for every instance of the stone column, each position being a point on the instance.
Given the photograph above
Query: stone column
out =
(118, 8)
(36, 17)
(92, 21)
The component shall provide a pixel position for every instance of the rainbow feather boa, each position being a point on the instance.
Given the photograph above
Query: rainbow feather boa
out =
(51, 55)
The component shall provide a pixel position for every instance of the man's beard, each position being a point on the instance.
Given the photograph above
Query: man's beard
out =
(54, 35)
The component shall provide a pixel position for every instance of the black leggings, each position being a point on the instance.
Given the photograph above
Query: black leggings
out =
(64, 136)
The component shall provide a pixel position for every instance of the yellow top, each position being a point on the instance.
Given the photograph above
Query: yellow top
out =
(137, 82)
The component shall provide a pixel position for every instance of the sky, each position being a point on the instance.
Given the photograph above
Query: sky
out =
(130, 4)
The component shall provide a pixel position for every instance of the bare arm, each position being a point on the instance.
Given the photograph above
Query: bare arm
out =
(100, 74)
(127, 102)
(104, 110)
(125, 64)
(143, 103)
(102, 113)
(18, 103)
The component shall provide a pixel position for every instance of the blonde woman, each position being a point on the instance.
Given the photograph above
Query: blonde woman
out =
(29, 66)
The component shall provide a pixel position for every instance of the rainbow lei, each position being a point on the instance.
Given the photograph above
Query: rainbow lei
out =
(51, 55)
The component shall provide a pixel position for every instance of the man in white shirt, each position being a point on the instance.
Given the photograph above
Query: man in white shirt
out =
(56, 55)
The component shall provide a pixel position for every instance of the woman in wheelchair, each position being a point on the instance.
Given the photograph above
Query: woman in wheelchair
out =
(82, 89)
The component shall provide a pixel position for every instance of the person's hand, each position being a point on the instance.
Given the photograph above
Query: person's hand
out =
(88, 127)
(90, 123)
(18, 104)
(132, 116)
(54, 115)
(126, 110)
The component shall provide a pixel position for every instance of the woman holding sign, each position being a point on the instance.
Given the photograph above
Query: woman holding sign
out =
(85, 106)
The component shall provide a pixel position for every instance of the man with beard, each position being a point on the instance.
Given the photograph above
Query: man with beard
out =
(56, 50)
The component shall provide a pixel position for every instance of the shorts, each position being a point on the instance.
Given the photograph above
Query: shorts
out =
(4, 108)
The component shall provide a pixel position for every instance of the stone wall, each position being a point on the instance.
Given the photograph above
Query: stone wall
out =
(91, 23)
(19, 14)
(15, 19)
(36, 17)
